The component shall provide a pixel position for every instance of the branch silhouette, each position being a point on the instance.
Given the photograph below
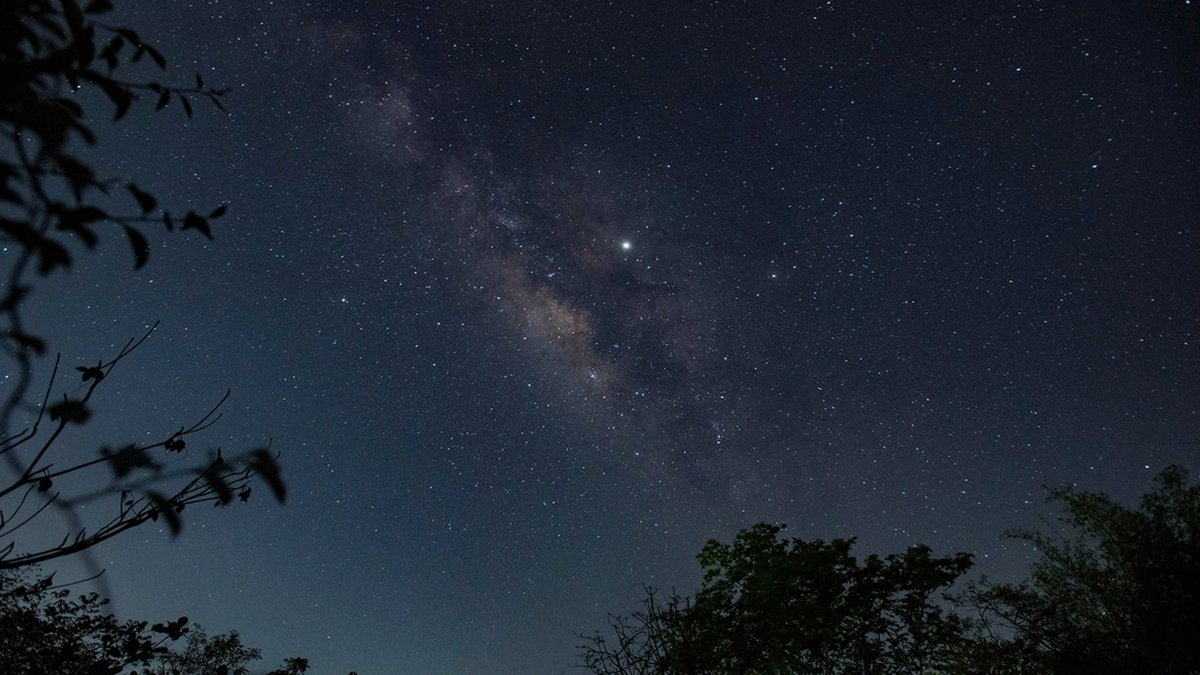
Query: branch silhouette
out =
(53, 205)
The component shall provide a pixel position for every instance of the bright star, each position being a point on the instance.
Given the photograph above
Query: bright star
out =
(626, 245)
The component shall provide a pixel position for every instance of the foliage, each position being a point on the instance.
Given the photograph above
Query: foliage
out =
(52, 203)
(46, 629)
(203, 655)
(1120, 595)
(48, 52)
(293, 666)
(772, 605)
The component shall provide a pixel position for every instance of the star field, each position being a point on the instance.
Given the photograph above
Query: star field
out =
(536, 298)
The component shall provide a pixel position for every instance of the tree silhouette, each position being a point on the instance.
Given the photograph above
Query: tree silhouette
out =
(1121, 594)
(773, 605)
(641, 643)
(46, 629)
(53, 204)
(202, 654)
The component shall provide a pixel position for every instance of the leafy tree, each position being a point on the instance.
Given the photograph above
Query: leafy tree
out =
(52, 204)
(773, 605)
(1120, 595)
(46, 629)
(294, 666)
(203, 655)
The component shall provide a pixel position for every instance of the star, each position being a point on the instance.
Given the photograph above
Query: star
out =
(840, 308)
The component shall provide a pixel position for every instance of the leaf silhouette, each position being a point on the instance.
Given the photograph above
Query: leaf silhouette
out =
(195, 221)
(141, 248)
(28, 341)
(70, 410)
(268, 469)
(91, 373)
(162, 506)
(146, 201)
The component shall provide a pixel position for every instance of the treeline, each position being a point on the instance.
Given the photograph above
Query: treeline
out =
(1120, 594)
(48, 629)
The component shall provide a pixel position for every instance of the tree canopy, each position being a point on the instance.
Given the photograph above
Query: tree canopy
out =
(46, 628)
(1119, 591)
(769, 604)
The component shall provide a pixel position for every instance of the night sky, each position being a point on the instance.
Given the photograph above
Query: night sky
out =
(537, 297)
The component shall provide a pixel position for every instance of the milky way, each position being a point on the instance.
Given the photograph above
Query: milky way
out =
(536, 298)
